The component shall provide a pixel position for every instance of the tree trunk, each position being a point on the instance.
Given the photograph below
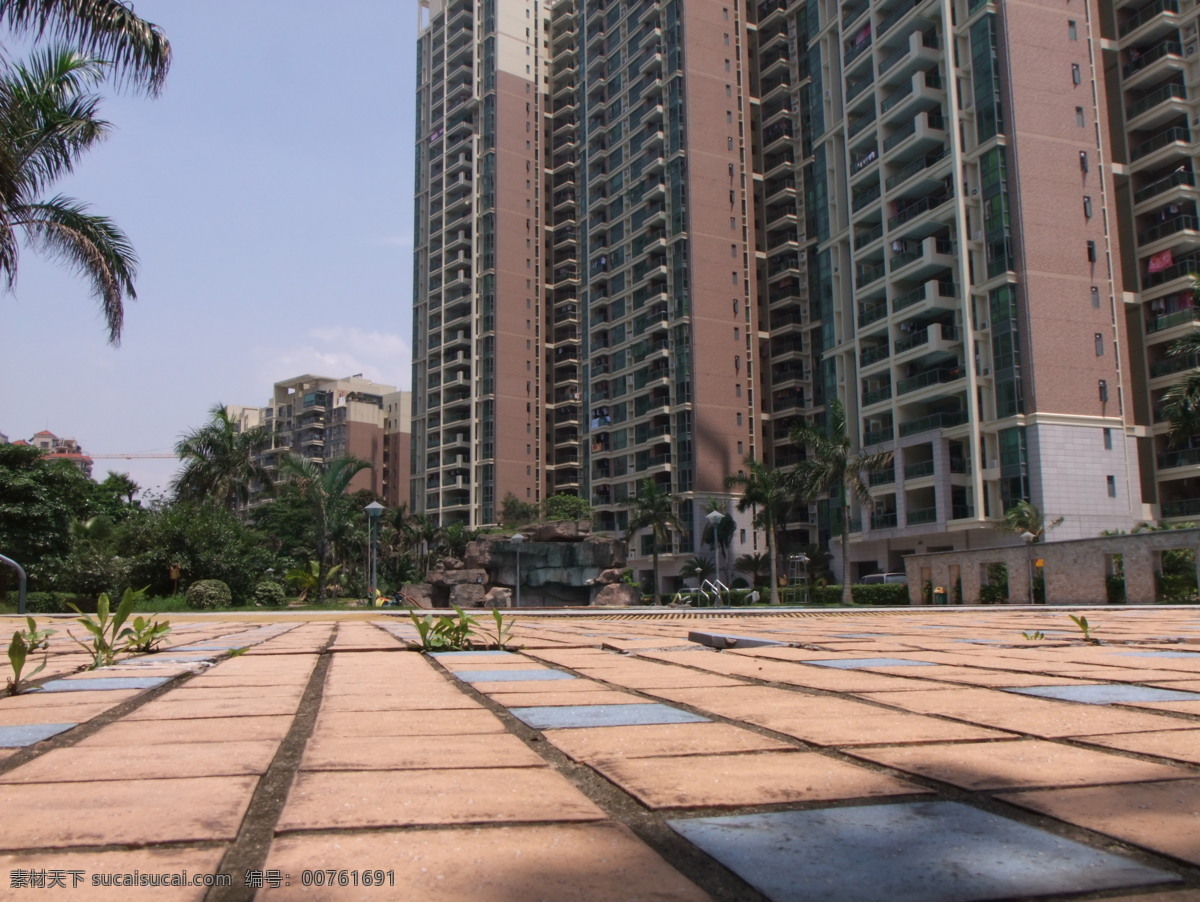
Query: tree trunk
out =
(774, 566)
(847, 595)
(654, 557)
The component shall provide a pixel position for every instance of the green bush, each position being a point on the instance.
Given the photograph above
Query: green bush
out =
(269, 595)
(567, 507)
(56, 602)
(209, 593)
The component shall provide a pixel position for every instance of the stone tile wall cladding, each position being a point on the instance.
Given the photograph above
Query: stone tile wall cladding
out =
(1075, 570)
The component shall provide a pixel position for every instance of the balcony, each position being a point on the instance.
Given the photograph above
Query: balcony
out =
(921, 47)
(873, 354)
(872, 312)
(931, 339)
(866, 273)
(1187, 457)
(919, 470)
(1179, 178)
(1165, 102)
(927, 258)
(883, 520)
(920, 164)
(942, 420)
(1147, 14)
(1170, 142)
(1179, 269)
(914, 209)
(935, 376)
(1189, 316)
(924, 131)
(1152, 63)
(875, 395)
(921, 516)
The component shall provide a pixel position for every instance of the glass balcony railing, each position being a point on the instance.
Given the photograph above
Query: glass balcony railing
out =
(1145, 14)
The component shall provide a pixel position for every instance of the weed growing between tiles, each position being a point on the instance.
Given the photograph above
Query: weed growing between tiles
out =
(110, 636)
(450, 634)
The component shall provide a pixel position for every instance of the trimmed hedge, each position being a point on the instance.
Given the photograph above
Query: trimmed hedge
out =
(209, 593)
(873, 595)
(56, 603)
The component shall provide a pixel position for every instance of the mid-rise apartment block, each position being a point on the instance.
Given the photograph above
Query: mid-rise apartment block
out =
(319, 418)
(654, 237)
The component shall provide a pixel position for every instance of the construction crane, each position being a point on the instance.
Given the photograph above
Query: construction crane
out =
(123, 456)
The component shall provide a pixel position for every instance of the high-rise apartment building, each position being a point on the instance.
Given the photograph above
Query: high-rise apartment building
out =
(653, 237)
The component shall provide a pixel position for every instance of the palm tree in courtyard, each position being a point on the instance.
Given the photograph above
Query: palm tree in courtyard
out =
(653, 509)
(48, 120)
(221, 463)
(770, 493)
(833, 466)
(137, 51)
(322, 489)
(1024, 517)
(1181, 402)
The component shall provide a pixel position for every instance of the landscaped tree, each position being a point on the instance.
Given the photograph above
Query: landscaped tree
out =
(423, 538)
(770, 493)
(1024, 517)
(567, 507)
(48, 120)
(834, 467)
(321, 488)
(655, 510)
(220, 463)
(757, 567)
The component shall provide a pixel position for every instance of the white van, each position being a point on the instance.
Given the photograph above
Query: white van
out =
(876, 578)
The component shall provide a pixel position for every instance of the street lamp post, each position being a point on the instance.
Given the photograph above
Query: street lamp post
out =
(1028, 538)
(802, 560)
(516, 540)
(374, 509)
(714, 518)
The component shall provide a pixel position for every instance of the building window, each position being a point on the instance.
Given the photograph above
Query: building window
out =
(1107, 439)
(1087, 206)
(1076, 75)
(741, 449)
(1072, 31)
(1096, 297)
(739, 418)
(1099, 344)
(1083, 160)
(1103, 385)
(1091, 251)
(1112, 486)
(1079, 116)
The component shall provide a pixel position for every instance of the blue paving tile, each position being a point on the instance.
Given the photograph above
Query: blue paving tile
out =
(549, 718)
(94, 683)
(1107, 694)
(914, 852)
(510, 676)
(27, 734)
(1158, 654)
(854, 663)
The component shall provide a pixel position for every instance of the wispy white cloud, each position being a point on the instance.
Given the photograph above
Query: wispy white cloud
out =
(339, 351)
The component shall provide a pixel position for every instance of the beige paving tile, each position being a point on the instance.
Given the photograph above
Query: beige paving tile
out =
(1182, 745)
(322, 800)
(752, 778)
(1024, 714)
(127, 733)
(168, 708)
(58, 815)
(485, 750)
(53, 714)
(407, 701)
(1162, 817)
(450, 722)
(870, 728)
(582, 862)
(1008, 765)
(146, 762)
(107, 698)
(107, 867)
(657, 740)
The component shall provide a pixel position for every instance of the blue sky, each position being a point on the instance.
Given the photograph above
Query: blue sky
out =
(268, 193)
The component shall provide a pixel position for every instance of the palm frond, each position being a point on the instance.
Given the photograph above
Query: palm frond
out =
(93, 245)
(138, 51)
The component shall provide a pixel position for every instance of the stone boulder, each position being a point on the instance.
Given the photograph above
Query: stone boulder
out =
(467, 595)
(559, 531)
(615, 594)
(608, 577)
(419, 594)
(498, 597)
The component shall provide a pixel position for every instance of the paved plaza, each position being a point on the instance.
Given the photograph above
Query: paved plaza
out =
(926, 755)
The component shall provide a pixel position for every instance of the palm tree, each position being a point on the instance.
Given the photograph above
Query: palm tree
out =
(138, 51)
(834, 467)
(1181, 402)
(321, 488)
(700, 566)
(422, 536)
(1024, 517)
(220, 462)
(758, 567)
(770, 493)
(653, 509)
(48, 119)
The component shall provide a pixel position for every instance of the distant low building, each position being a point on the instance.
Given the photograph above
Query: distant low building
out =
(55, 448)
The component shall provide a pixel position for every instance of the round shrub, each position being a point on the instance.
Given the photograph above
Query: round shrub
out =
(269, 595)
(208, 593)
